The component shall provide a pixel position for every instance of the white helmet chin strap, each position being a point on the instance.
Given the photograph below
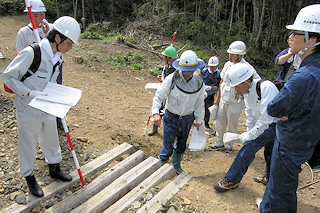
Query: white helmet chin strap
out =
(307, 46)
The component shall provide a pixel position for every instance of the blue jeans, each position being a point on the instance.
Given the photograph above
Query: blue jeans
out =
(247, 153)
(280, 194)
(175, 129)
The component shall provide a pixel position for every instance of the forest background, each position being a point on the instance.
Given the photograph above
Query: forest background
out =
(205, 26)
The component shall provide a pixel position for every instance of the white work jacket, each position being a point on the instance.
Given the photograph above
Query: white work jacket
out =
(25, 36)
(228, 93)
(258, 118)
(178, 102)
(38, 81)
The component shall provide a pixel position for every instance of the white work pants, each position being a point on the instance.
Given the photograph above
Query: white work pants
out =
(34, 128)
(228, 115)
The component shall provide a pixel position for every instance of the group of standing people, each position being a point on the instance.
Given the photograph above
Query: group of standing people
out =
(284, 122)
(281, 121)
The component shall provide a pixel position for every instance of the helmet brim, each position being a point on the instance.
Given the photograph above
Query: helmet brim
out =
(300, 28)
(177, 66)
(236, 53)
(213, 65)
(293, 27)
(234, 85)
(35, 11)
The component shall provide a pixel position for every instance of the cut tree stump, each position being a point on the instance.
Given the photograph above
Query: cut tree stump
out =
(116, 188)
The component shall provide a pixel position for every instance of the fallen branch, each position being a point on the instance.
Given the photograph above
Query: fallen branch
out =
(140, 48)
(309, 184)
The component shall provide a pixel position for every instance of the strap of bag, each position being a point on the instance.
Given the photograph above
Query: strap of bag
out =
(35, 63)
(258, 88)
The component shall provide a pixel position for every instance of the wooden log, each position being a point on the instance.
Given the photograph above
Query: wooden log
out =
(98, 184)
(165, 194)
(164, 173)
(58, 186)
(119, 187)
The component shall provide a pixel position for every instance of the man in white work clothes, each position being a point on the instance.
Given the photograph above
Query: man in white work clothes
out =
(35, 126)
(230, 103)
(25, 35)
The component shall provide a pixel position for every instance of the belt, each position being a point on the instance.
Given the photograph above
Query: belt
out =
(180, 116)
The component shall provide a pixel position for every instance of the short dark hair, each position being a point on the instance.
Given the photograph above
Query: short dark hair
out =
(52, 34)
(315, 35)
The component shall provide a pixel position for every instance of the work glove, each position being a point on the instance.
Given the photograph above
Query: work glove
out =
(208, 88)
(214, 111)
(230, 138)
(34, 93)
(245, 137)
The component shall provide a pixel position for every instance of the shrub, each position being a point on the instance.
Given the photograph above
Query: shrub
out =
(136, 66)
(11, 7)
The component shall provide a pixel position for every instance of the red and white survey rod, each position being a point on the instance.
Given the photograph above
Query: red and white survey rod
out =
(147, 124)
(65, 127)
(149, 117)
(173, 38)
(33, 23)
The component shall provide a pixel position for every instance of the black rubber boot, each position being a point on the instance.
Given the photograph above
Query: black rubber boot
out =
(56, 173)
(33, 186)
(153, 131)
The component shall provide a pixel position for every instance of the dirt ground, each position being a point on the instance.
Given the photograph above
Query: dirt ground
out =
(114, 107)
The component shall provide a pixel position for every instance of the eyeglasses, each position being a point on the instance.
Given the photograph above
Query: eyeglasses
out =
(297, 34)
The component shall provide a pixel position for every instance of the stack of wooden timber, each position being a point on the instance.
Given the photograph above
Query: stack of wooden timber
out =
(116, 188)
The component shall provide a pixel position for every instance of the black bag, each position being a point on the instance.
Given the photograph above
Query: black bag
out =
(278, 83)
(33, 67)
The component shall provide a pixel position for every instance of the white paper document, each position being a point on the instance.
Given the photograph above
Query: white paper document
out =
(152, 86)
(58, 101)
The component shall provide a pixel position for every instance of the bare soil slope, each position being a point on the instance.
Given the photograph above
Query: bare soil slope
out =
(114, 108)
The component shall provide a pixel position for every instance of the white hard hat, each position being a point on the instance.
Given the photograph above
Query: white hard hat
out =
(69, 27)
(239, 73)
(237, 47)
(188, 61)
(4, 62)
(308, 19)
(37, 6)
(213, 61)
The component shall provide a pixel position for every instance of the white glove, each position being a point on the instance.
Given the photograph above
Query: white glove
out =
(229, 136)
(214, 111)
(208, 88)
(34, 93)
(244, 137)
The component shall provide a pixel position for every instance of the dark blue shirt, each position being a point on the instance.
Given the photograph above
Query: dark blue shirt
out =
(284, 67)
(299, 99)
(211, 79)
